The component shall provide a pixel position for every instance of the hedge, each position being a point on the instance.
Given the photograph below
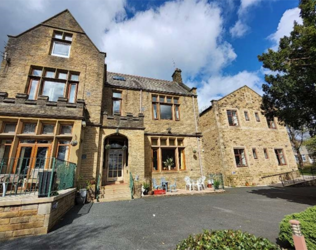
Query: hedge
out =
(307, 221)
(225, 240)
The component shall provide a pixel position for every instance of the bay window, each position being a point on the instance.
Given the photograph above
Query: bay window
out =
(167, 154)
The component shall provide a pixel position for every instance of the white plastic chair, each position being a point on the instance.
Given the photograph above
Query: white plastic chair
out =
(188, 183)
(198, 184)
(203, 178)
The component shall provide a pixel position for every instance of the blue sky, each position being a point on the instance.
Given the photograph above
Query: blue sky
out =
(214, 42)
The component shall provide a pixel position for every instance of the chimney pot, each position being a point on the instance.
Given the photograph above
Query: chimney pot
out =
(176, 76)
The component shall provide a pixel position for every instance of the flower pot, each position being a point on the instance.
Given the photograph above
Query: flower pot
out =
(81, 196)
(169, 167)
(209, 185)
(145, 192)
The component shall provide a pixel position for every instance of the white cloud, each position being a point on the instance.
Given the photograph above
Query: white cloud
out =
(219, 86)
(239, 29)
(246, 4)
(186, 32)
(285, 26)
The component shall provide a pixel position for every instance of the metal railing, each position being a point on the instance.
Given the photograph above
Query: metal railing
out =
(97, 191)
(131, 184)
(295, 176)
(42, 176)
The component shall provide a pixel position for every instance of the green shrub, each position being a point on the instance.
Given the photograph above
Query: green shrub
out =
(225, 240)
(307, 220)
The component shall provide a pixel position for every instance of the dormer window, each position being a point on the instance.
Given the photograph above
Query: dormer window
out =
(61, 44)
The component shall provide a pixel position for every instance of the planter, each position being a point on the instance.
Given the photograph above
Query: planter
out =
(150, 192)
(159, 192)
(145, 192)
(209, 185)
(81, 196)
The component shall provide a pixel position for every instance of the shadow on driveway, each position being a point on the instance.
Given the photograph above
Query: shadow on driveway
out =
(302, 195)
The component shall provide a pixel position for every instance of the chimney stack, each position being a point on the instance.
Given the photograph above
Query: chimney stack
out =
(176, 76)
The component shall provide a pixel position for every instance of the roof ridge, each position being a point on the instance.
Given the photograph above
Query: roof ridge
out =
(141, 77)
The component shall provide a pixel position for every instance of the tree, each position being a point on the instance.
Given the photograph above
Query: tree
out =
(311, 147)
(297, 138)
(290, 93)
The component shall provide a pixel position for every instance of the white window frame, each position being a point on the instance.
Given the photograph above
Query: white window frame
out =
(53, 54)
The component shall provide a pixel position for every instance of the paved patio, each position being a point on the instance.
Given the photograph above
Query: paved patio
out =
(160, 223)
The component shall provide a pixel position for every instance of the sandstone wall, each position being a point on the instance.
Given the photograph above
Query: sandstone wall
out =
(33, 216)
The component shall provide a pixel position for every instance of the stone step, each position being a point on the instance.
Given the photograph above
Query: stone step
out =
(115, 192)
(114, 199)
(115, 187)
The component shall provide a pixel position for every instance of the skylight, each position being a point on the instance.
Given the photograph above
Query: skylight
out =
(119, 78)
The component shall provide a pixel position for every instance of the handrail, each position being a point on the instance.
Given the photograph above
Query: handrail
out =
(97, 191)
(267, 176)
(131, 184)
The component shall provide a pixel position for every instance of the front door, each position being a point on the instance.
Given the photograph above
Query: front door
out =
(115, 165)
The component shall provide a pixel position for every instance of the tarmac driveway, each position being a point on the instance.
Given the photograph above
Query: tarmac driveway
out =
(161, 222)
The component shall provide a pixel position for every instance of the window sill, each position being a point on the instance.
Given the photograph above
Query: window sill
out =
(59, 56)
(169, 171)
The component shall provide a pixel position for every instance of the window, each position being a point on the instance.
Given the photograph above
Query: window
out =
(66, 129)
(63, 150)
(165, 108)
(5, 147)
(257, 117)
(254, 153)
(246, 116)
(271, 123)
(53, 83)
(167, 154)
(29, 128)
(280, 156)
(48, 129)
(9, 128)
(232, 117)
(304, 158)
(240, 158)
(296, 158)
(116, 102)
(265, 152)
(61, 44)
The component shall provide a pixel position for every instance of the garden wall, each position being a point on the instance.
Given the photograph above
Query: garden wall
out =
(26, 215)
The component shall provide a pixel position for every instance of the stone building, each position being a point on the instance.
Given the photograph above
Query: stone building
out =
(241, 143)
(307, 156)
(58, 100)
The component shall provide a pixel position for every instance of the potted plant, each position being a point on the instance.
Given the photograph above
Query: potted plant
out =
(247, 184)
(209, 183)
(145, 188)
(216, 184)
(82, 191)
(168, 163)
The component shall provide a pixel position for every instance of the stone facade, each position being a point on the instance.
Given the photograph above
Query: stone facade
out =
(220, 139)
(32, 49)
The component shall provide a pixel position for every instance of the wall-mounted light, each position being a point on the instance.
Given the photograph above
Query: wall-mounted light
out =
(83, 124)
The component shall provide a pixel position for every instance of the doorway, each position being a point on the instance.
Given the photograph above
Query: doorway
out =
(116, 156)
(32, 154)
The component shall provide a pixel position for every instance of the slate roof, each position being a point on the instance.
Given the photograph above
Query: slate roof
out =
(149, 84)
